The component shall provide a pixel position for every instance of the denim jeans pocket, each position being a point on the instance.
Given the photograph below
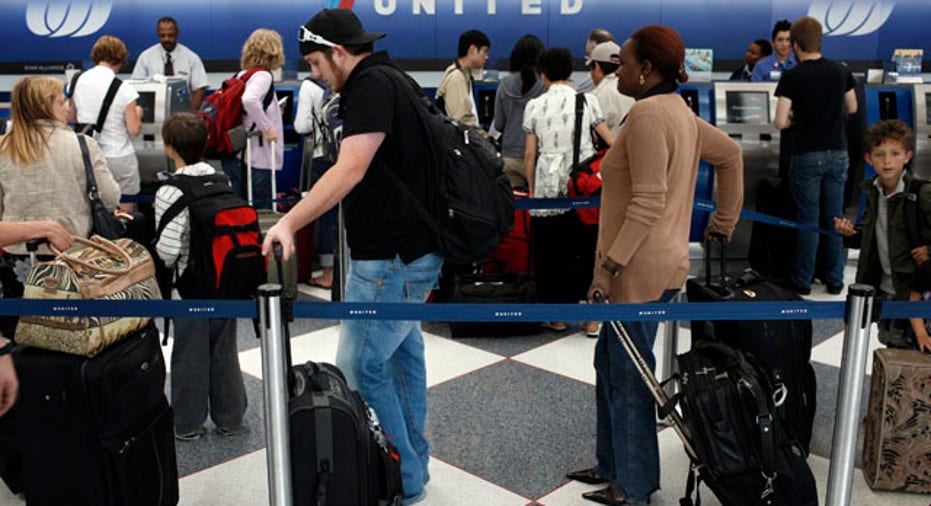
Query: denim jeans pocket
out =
(422, 275)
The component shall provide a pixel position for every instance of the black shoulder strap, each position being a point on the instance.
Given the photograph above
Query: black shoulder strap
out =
(74, 82)
(107, 102)
(912, 226)
(91, 184)
(577, 133)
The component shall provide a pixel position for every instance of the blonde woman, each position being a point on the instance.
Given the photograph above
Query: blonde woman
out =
(263, 50)
(42, 175)
(124, 118)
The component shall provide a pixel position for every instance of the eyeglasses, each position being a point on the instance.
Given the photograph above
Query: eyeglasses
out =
(305, 35)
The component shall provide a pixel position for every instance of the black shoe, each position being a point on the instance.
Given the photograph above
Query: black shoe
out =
(789, 285)
(586, 476)
(835, 289)
(603, 496)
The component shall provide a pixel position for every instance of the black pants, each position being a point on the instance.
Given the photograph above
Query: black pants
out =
(563, 257)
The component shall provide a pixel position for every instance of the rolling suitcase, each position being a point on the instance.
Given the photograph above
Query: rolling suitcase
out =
(783, 346)
(736, 447)
(493, 286)
(898, 425)
(339, 453)
(97, 431)
(772, 248)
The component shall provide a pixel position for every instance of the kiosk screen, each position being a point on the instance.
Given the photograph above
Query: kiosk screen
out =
(146, 100)
(747, 107)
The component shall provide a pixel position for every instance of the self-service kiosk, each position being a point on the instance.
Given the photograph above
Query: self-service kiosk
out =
(921, 163)
(158, 101)
(745, 111)
(889, 102)
(700, 98)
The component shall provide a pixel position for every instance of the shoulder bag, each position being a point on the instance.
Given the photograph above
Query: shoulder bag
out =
(106, 225)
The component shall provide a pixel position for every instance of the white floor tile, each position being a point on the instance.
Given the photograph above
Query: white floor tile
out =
(240, 481)
(831, 351)
(572, 355)
(445, 358)
(451, 486)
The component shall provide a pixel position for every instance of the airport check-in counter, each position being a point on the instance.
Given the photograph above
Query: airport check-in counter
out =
(921, 163)
(158, 101)
(745, 111)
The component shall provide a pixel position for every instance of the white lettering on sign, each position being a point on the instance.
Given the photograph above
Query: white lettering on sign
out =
(428, 7)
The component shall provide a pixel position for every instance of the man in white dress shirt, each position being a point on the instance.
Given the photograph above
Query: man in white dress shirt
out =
(168, 58)
(603, 63)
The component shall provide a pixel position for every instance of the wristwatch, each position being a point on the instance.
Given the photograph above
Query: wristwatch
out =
(7, 347)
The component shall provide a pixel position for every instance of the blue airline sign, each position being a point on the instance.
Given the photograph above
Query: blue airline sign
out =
(65, 30)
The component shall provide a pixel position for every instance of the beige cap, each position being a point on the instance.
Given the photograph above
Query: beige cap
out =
(607, 52)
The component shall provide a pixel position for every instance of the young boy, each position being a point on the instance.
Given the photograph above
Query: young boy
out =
(888, 261)
(205, 360)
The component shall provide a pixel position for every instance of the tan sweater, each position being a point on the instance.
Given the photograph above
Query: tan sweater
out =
(649, 186)
(54, 188)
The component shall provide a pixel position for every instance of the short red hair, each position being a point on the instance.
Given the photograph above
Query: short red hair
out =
(664, 47)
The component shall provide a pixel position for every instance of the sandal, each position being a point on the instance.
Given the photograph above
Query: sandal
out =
(316, 283)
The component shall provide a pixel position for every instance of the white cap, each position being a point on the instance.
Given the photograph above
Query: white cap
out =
(607, 52)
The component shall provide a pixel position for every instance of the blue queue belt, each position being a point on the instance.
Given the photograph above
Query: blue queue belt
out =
(806, 310)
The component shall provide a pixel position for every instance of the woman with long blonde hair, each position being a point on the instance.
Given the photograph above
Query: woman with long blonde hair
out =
(264, 52)
(42, 176)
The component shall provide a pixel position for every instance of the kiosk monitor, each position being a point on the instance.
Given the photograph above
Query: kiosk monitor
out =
(747, 107)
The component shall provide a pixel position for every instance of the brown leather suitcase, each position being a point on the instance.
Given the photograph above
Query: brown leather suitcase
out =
(897, 444)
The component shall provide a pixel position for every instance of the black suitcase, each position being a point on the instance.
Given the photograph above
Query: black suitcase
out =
(772, 248)
(339, 453)
(482, 287)
(97, 431)
(783, 346)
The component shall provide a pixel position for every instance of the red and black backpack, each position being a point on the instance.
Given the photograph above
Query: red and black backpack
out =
(225, 260)
(222, 111)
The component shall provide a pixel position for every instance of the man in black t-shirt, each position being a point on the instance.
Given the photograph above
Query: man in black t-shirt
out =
(814, 98)
(392, 250)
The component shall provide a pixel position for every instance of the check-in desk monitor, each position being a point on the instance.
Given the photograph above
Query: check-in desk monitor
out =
(745, 111)
(921, 164)
(158, 101)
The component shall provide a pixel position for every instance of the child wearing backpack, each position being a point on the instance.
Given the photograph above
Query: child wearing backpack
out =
(205, 360)
(890, 253)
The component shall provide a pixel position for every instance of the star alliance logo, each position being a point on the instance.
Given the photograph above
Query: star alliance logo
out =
(68, 18)
(851, 17)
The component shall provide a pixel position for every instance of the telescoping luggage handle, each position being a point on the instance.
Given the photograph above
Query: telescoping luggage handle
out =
(666, 405)
(721, 239)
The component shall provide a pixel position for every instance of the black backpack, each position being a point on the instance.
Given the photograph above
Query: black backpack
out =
(471, 207)
(225, 260)
(745, 456)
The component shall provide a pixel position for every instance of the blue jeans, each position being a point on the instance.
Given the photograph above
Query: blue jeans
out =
(816, 181)
(384, 359)
(626, 447)
(261, 182)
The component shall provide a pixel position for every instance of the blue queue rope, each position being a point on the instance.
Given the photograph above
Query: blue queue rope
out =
(806, 310)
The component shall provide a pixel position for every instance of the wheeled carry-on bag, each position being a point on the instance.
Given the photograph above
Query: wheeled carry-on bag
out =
(735, 444)
(898, 426)
(97, 431)
(340, 456)
(783, 347)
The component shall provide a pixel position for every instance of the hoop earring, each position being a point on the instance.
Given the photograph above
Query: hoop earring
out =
(642, 80)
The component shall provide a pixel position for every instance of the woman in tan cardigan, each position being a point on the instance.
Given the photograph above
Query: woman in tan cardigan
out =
(642, 254)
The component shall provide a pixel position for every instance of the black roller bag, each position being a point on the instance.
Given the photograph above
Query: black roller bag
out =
(97, 431)
(783, 347)
(340, 456)
(482, 287)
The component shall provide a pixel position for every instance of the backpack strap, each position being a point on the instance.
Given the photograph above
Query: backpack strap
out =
(577, 133)
(912, 226)
(74, 82)
(107, 102)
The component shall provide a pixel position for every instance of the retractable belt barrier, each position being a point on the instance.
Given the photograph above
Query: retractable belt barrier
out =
(807, 310)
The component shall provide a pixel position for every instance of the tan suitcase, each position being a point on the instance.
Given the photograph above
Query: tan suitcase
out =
(897, 444)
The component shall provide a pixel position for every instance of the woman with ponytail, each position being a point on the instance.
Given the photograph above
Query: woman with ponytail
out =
(514, 92)
(642, 254)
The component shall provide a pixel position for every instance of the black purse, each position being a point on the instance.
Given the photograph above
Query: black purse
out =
(105, 222)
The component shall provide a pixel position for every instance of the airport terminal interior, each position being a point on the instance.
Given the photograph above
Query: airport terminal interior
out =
(509, 416)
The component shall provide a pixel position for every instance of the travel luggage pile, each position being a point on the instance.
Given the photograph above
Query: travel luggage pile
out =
(736, 445)
(339, 453)
(898, 424)
(782, 346)
(97, 431)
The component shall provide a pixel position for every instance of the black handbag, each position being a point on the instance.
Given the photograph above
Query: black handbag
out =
(105, 222)
(493, 288)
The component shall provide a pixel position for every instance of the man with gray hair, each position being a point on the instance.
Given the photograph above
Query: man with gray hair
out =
(595, 37)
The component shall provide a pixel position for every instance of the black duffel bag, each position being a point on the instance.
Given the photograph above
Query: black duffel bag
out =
(480, 287)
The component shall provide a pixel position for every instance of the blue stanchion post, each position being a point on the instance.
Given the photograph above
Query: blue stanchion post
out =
(274, 376)
(849, 392)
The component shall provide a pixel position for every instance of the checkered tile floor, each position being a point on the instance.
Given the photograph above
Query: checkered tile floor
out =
(507, 419)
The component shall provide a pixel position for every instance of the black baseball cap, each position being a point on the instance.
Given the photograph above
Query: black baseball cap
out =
(331, 27)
